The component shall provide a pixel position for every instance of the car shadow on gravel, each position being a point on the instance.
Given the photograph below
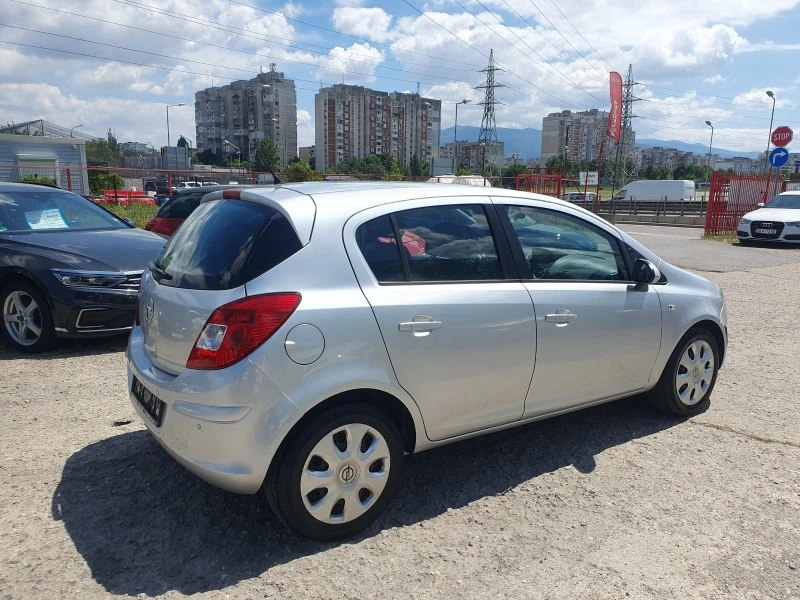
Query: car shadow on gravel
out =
(70, 349)
(145, 525)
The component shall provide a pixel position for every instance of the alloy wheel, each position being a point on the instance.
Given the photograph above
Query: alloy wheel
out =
(22, 318)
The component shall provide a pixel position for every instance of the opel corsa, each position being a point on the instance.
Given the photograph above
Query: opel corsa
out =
(302, 338)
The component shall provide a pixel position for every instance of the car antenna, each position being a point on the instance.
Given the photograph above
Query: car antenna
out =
(275, 178)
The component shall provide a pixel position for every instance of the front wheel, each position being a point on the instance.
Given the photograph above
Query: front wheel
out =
(27, 322)
(337, 474)
(689, 377)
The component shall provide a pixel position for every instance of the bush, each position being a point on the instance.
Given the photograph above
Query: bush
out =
(100, 181)
(49, 181)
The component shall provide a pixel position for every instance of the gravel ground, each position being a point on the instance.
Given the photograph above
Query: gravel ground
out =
(612, 502)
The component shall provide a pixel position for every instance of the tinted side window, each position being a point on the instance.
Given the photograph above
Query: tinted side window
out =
(225, 244)
(180, 206)
(449, 243)
(377, 243)
(561, 246)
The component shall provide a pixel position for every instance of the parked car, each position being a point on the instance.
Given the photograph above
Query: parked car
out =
(286, 342)
(776, 221)
(68, 268)
(180, 205)
(579, 197)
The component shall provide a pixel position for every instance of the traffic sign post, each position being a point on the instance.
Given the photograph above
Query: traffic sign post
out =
(781, 136)
(778, 157)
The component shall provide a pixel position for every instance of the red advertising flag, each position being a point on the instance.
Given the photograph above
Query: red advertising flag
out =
(615, 115)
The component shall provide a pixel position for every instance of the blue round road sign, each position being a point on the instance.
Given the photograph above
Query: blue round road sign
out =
(778, 157)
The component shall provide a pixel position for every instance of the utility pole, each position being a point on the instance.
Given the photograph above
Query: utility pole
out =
(488, 134)
(627, 129)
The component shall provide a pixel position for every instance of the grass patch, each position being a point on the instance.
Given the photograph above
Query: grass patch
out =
(139, 213)
(727, 238)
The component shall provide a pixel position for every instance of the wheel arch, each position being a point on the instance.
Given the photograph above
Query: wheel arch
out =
(390, 405)
(714, 329)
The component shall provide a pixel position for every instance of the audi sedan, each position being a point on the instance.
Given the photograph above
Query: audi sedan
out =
(302, 338)
(776, 221)
(68, 268)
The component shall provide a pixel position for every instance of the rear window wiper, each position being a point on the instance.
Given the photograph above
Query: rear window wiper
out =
(154, 268)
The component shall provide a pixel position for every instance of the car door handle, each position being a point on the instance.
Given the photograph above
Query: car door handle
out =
(419, 325)
(561, 317)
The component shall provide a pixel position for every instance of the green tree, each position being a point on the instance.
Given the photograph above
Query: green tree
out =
(463, 171)
(297, 171)
(99, 181)
(206, 157)
(99, 153)
(510, 175)
(415, 167)
(112, 143)
(266, 156)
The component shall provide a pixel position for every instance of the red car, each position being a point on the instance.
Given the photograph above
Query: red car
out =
(180, 205)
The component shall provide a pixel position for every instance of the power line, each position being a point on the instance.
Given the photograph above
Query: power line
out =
(556, 71)
(580, 34)
(242, 33)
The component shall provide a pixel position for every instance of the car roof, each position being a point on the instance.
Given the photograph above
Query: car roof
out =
(19, 187)
(206, 189)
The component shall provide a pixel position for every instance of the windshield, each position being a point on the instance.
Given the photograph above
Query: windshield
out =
(51, 210)
(784, 201)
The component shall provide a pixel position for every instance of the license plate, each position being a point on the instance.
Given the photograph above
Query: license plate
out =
(152, 405)
(767, 231)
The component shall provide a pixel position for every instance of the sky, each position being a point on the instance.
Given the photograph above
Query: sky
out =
(116, 64)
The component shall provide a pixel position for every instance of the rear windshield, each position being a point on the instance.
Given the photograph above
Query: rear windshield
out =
(180, 206)
(225, 244)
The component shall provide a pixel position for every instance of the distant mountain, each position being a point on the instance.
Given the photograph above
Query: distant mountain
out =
(528, 142)
(696, 148)
(525, 142)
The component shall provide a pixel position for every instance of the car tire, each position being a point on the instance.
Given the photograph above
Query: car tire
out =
(685, 386)
(33, 331)
(325, 485)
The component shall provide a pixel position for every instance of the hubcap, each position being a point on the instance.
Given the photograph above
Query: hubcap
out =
(22, 318)
(345, 473)
(695, 373)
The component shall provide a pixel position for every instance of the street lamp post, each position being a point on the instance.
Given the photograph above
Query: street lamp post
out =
(710, 167)
(71, 131)
(168, 107)
(455, 134)
(769, 136)
(238, 150)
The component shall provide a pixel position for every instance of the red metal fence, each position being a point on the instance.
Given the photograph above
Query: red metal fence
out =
(732, 196)
(549, 185)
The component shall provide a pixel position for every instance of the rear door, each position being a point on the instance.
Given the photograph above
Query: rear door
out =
(598, 333)
(460, 335)
(222, 246)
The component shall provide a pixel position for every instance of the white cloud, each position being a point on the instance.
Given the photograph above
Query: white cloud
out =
(355, 64)
(305, 128)
(715, 79)
(370, 23)
(293, 10)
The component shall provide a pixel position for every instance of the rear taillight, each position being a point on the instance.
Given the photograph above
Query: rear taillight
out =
(234, 330)
(150, 224)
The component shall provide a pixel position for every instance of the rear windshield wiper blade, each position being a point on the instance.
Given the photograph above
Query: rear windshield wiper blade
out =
(158, 271)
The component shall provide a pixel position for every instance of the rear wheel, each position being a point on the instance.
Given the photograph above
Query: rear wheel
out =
(27, 322)
(338, 473)
(689, 377)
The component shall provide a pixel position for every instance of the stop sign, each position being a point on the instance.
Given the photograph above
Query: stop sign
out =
(781, 136)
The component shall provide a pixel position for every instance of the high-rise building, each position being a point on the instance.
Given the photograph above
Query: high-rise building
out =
(580, 133)
(236, 117)
(472, 155)
(357, 122)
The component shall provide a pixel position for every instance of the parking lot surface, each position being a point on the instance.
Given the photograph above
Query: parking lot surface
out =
(612, 502)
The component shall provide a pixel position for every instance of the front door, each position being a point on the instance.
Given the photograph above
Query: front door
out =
(461, 338)
(598, 334)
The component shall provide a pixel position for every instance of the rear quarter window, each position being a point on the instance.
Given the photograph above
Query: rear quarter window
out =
(225, 244)
(180, 206)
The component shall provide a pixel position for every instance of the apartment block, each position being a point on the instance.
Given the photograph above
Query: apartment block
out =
(580, 135)
(357, 122)
(236, 117)
(472, 155)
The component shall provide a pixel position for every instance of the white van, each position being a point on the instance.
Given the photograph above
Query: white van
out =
(673, 190)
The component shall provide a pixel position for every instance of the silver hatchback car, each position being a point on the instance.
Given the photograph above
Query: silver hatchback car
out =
(301, 339)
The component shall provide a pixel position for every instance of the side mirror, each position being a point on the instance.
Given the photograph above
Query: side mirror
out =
(760, 205)
(129, 221)
(645, 272)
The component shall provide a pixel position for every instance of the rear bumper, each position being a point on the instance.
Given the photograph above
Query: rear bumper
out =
(224, 426)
